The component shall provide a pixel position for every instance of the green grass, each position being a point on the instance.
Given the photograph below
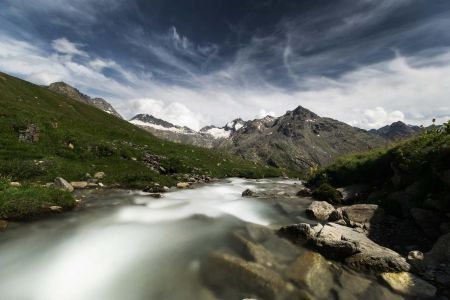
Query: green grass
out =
(420, 161)
(26, 202)
(101, 142)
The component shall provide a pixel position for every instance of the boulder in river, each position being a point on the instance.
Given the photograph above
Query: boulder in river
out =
(3, 225)
(221, 271)
(56, 208)
(319, 210)
(247, 193)
(62, 184)
(311, 271)
(341, 242)
(183, 185)
(304, 192)
(408, 284)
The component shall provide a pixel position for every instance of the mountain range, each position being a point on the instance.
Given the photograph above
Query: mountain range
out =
(298, 140)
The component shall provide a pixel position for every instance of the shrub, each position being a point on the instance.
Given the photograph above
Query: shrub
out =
(326, 192)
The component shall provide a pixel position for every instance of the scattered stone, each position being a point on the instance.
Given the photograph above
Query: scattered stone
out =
(71, 146)
(30, 134)
(56, 208)
(61, 183)
(15, 184)
(247, 193)
(243, 276)
(79, 184)
(305, 192)
(319, 210)
(408, 284)
(156, 196)
(183, 185)
(92, 185)
(99, 175)
(297, 233)
(311, 271)
(101, 184)
(415, 255)
(3, 225)
(49, 184)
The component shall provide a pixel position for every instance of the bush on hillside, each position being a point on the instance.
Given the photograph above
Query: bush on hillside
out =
(326, 192)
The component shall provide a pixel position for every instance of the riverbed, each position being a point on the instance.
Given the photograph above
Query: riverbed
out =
(129, 245)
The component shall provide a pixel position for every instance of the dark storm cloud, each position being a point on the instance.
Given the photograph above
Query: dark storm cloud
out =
(186, 48)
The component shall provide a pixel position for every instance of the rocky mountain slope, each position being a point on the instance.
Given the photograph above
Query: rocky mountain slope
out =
(397, 131)
(64, 89)
(299, 140)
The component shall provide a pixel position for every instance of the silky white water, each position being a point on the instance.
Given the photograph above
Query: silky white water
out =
(131, 247)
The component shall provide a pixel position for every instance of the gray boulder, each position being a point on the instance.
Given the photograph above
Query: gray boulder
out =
(243, 276)
(319, 210)
(428, 221)
(341, 242)
(311, 271)
(62, 184)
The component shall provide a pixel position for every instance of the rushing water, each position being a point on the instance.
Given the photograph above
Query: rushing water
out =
(131, 247)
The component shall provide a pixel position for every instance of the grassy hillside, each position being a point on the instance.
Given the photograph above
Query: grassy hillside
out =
(415, 172)
(76, 139)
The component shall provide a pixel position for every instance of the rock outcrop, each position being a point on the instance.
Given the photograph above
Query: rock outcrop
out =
(348, 244)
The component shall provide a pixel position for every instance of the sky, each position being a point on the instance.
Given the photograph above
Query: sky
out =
(194, 63)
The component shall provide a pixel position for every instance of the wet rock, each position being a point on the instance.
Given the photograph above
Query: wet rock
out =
(428, 221)
(56, 208)
(15, 184)
(61, 183)
(79, 184)
(311, 271)
(183, 185)
(364, 213)
(243, 276)
(154, 188)
(341, 242)
(415, 255)
(247, 193)
(255, 252)
(156, 196)
(335, 215)
(297, 233)
(319, 210)
(408, 284)
(440, 252)
(3, 225)
(305, 192)
(99, 175)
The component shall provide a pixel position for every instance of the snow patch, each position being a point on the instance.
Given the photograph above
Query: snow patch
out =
(159, 127)
(218, 133)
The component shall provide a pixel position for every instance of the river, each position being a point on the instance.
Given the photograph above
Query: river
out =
(130, 246)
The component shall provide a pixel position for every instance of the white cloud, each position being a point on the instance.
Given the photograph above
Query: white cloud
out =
(263, 113)
(64, 46)
(377, 117)
(412, 89)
